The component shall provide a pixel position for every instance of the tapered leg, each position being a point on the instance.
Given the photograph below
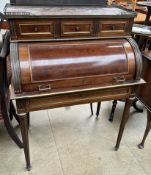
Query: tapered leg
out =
(113, 110)
(91, 107)
(24, 131)
(123, 122)
(148, 127)
(98, 109)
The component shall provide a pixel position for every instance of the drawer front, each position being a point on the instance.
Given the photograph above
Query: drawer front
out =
(33, 29)
(114, 28)
(76, 28)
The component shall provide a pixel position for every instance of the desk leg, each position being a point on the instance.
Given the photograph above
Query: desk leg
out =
(123, 121)
(148, 127)
(24, 132)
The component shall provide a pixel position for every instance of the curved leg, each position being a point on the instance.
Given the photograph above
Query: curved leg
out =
(98, 110)
(123, 122)
(24, 132)
(91, 107)
(134, 104)
(13, 111)
(9, 127)
(113, 110)
(148, 127)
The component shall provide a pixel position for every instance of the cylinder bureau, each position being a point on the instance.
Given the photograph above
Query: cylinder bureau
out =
(63, 56)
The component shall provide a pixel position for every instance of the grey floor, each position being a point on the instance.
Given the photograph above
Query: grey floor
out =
(68, 141)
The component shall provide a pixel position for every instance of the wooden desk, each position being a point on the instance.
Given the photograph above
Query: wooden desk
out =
(65, 56)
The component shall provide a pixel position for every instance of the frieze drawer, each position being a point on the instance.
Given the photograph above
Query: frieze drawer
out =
(76, 28)
(32, 29)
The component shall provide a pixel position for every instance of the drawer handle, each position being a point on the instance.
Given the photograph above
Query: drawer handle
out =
(36, 29)
(44, 87)
(77, 28)
(119, 79)
(113, 27)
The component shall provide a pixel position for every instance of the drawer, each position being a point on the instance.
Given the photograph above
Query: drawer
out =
(111, 28)
(32, 29)
(76, 28)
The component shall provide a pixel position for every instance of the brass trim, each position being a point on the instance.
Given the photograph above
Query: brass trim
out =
(135, 83)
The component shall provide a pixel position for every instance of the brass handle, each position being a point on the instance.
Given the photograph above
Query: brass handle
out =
(36, 29)
(44, 87)
(77, 28)
(119, 79)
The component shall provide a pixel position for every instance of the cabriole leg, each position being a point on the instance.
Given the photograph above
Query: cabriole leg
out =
(148, 127)
(24, 132)
(123, 122)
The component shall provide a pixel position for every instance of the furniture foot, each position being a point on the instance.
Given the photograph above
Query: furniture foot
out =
(148, 127)
(113, 110)
(91, 106)
(98, 110)
(134, 104)
(123, 122)
(24, 132)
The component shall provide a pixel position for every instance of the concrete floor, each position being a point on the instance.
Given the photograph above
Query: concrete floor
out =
(68, 141)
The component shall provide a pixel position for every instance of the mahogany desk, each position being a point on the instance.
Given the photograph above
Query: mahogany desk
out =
(64, 56)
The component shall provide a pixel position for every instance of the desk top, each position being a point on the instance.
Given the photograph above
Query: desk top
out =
(144, 3)
(141, 30)
(62, 12)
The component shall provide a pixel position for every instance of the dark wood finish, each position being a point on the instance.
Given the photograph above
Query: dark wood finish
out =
(89, 57)
(148, 127)
(144, 92)
(24, 130)
(88, 64)
(71, 22)
(113, 110)
(5, 105)
(69, 28)
(123, 122)
(98, 109)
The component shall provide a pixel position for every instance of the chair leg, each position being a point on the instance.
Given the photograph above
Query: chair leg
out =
(91, 107)
(9, 127)
(123, 122)
(24, 132)
(98, 110)
(13, 112)
(113, 110)
(148, 127)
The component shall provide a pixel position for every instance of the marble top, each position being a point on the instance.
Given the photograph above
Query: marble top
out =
(141, 29)
(144, 3)
(72, 11)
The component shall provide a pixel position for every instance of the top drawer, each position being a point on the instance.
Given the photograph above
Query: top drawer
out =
(114, 28)
(32, 29)
(76, 28)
